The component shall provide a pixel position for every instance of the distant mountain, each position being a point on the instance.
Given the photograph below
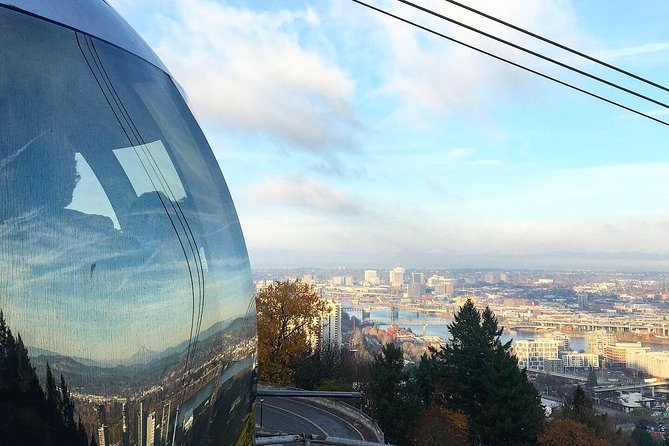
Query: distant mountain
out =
(34, 352)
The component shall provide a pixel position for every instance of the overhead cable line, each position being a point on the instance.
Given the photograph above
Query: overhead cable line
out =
(561, 46)
(535, 53)
(517, 65)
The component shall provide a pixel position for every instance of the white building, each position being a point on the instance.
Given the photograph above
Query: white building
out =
(328, 331)
(652, 363)
(595, 341)
(371, 277)
(151, 429)
(396, 277)
(103, 435)
(434, 280)
(532, 352)
(580, 360)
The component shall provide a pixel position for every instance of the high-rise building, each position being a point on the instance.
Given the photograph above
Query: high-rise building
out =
(125, 434)
(531, 353)
(595, 341)
(417, 278)
(151, 429)
(103, 435)
(328, 331)
(371, 277)
(140, 426)
(582, 299)
(396, 277)
(433, 281)
(415, 290)
(165, 423)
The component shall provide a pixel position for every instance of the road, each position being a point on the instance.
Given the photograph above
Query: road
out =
(292, 415)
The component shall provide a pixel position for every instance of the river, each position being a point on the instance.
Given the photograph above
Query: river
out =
(436, 326)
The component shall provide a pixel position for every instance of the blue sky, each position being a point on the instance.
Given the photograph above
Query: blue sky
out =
(349, 139)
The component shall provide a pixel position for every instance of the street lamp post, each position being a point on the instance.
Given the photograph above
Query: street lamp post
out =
(261, 401)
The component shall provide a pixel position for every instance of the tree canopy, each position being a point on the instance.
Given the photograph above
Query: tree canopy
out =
(28, 414)
(287, 317)
(476, 374)
(393, 394)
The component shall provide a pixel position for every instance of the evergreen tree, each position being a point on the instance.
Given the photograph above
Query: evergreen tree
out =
(425, 379)
(82, 438)
(592, 379)
(12, 364)
(28, 382)
(578, 407)
(393, 395)
(52, 394)
(478, 375)
(67, 411)
(3, 354)
(641, 437)
(27, 416)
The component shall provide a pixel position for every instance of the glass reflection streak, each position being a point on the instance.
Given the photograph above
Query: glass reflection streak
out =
(122, 262)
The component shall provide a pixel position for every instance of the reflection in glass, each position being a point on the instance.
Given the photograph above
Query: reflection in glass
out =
(122, 263)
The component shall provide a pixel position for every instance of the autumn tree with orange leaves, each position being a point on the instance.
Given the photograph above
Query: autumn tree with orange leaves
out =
(287, 318)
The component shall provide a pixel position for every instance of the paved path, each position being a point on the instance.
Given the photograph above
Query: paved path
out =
(293, 415)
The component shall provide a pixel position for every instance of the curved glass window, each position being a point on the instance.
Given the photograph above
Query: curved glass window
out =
(122, 263)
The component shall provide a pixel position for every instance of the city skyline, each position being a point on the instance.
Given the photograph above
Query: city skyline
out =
(351, 139)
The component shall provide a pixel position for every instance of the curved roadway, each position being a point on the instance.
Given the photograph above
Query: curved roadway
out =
(291, 415)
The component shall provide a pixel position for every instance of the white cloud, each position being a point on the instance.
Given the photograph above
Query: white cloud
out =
(435, 78)
(459, 153)
(305, 193)
(249, 70)
(619, 53)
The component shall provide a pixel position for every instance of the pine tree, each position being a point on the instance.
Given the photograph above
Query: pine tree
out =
(28, 381)
(52, 394)
(478, 375)
(3, 354)
(393, 395)
(82, 438)
(28, 416)
(67, 410)
(11, 383)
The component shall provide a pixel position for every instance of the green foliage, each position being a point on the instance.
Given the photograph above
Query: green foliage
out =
(578, 407)
(641, 437)
(334, 385)
(393, 394)
(28, 416)
(477, 375)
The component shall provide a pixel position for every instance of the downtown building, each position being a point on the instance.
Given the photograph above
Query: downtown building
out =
(328, 327)
(396, 277)
(532, 353)
(596, 341)
(620, 355)
(580, 360)
(371, 277)
(651, 363)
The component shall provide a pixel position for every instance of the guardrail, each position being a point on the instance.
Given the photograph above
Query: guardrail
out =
(264, 389)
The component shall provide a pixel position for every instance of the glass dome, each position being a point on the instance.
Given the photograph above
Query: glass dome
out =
(123, 267)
